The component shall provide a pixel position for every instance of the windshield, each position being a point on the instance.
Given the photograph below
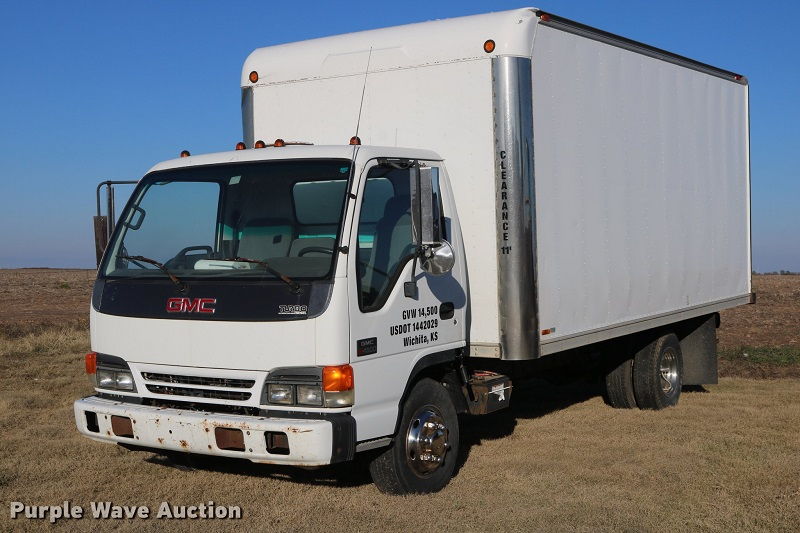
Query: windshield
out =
(254, 220)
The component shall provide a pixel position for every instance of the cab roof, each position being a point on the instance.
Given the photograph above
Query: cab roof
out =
(363, 154)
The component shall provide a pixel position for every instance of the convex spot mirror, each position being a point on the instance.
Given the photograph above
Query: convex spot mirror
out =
(438, 260)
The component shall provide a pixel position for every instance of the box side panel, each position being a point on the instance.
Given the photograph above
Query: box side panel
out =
(446, 108)
(641, 185)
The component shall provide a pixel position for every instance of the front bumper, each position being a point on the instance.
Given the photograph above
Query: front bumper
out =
(311, 442)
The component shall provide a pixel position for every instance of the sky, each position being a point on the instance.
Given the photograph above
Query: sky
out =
(91, 91)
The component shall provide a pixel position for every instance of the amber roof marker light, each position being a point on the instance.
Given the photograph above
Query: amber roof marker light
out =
(278, 143)
(260, 144)
(355, 141)
(253, 77)
(240, 146)
(544, 17)
(489, 46)
(185, 153)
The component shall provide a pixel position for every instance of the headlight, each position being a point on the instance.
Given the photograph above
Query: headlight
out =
(281, 393)
(309, 394)
(124, 381)
(329, 386)
(108, 378)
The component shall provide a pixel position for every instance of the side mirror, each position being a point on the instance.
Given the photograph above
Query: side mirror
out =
(425, 215)
(104, 224)
(438, 260)
(100, 237)
(436, 254)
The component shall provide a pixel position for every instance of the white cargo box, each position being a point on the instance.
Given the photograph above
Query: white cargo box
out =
(602, 185)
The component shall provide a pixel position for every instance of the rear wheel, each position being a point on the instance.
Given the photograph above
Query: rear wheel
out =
(658, 373)
(423, 456)
(618, 390)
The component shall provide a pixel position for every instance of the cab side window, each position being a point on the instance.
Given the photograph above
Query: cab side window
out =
(385, 241)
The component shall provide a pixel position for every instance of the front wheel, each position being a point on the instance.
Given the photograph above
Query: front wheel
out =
(423, 456)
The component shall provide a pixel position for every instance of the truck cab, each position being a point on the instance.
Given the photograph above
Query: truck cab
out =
(273, 304)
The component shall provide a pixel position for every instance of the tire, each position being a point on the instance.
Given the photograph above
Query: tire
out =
(658, 373)
(427, 414)
(618, 386)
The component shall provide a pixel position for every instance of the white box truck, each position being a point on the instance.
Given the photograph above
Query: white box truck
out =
(417, 214)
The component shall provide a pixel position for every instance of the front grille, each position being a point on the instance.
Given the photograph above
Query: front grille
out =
(198, 380)
(204, 407)
(199, 393)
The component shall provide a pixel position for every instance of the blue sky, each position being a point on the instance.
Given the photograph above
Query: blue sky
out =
(103, 90)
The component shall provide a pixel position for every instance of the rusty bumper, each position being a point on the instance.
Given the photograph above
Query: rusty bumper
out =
(306, 442)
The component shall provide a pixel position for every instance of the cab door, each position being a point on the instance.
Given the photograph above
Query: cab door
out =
(398, 313)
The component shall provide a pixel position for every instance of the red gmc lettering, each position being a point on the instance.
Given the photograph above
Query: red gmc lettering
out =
(174, 305)
(191, 305)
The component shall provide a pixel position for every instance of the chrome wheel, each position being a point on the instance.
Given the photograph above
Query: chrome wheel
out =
(427, 441)
(668, 370)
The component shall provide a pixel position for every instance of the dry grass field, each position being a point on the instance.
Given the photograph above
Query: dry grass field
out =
(727, 458)
(44, 296)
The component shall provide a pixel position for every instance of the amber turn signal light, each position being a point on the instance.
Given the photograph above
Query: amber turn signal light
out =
(253, 77)
(91, 363)
(337, 378)
(488, 46)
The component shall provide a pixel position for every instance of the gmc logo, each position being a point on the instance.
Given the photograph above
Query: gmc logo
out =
(191, 305)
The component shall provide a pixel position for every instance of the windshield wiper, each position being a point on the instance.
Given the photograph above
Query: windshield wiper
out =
(283, 277)
(181, 285)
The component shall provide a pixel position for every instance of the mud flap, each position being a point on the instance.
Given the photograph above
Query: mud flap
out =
(699, 349)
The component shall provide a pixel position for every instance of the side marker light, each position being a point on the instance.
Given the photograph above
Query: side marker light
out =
(91, 362)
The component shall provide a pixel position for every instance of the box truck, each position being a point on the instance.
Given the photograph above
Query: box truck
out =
(416, 215)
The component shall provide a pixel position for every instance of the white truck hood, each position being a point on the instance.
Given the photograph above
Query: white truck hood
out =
(206, 344)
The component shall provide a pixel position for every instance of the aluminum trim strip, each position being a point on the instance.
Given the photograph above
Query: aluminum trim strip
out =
(634, 326)
(588, 32)
(373, 444)
(515, 206)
